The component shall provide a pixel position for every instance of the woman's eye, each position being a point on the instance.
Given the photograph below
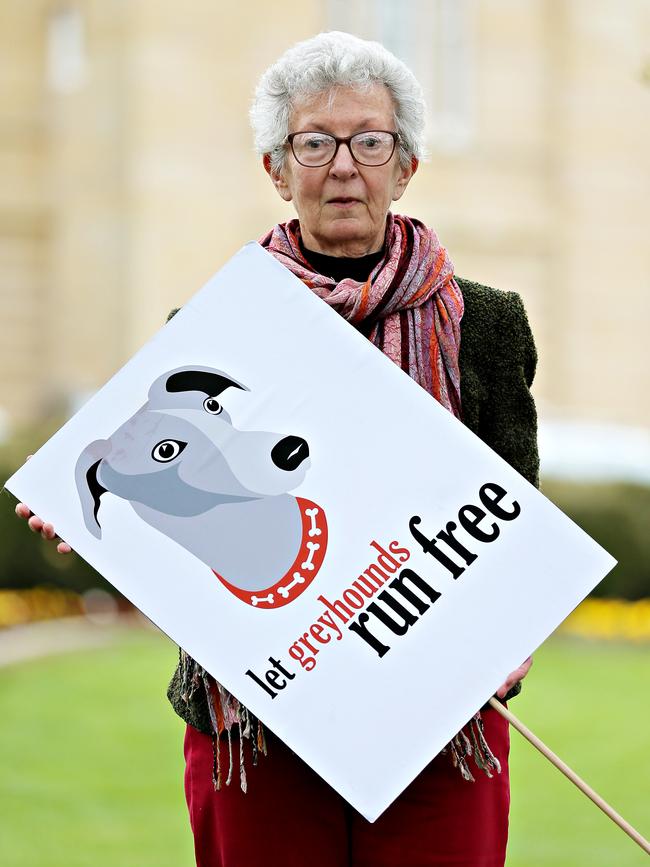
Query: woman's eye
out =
(167, 450)
(212, 405)
(315, 143)
(369, 141)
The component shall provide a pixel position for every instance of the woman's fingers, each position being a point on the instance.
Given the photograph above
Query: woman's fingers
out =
(38, 525)
(515, 676)
(525, 668)
(521, 672)
(35, 524)
(504, 689)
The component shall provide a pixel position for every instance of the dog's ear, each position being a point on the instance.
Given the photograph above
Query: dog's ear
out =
(210, 382)
(88, 486)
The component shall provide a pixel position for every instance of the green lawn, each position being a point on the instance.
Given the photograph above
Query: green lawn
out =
(91, 764)
(590, 704)
(91, 759)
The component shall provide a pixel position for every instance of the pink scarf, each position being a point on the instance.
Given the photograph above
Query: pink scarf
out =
(410, 301)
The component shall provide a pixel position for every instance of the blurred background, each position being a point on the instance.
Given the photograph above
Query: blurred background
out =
(128, 176)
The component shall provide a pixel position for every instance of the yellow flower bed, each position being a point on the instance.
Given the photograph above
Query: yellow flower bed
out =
(38, 603)
(611, 619)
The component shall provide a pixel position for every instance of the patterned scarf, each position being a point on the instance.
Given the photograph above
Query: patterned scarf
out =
(410, 304)
(410, 307)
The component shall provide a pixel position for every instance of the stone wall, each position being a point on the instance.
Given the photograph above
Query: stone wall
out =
(127, 176)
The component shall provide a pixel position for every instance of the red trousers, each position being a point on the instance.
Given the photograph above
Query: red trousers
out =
(291, 818)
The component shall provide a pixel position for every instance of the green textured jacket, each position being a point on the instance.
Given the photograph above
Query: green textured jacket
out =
(497, 366)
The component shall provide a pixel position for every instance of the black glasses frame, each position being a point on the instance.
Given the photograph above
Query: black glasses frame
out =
(339, 141)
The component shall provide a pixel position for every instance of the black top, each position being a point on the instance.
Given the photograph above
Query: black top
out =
(340, 267)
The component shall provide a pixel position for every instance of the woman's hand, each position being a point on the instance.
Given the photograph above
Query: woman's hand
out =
(517, 675)
(38, 525)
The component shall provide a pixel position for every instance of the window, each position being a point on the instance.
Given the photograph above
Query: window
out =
(66, 50)
(435, 39)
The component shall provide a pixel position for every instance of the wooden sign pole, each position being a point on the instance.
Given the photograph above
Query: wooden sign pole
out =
(566, 770)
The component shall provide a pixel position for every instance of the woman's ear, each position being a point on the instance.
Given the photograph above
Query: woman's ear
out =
(277, 179)
(403, 178)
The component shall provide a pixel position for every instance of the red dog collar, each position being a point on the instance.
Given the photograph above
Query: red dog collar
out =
(304, 568)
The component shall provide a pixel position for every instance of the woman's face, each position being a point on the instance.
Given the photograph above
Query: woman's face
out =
(342, 206)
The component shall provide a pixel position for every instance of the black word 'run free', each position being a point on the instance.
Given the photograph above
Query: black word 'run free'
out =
(452, 556)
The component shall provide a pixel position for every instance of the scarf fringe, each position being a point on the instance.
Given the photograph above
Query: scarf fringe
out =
(226, 711)
(463, 746)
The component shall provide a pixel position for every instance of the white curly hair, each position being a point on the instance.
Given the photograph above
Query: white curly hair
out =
(322, 63)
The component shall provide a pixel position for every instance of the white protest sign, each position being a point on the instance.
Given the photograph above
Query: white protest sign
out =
(312, 527)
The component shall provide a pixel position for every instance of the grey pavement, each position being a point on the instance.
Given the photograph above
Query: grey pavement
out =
(64, 635)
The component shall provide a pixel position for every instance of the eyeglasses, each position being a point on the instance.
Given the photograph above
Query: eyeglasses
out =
(370, 148)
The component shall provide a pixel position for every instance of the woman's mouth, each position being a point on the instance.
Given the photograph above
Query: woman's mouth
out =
(343, 202)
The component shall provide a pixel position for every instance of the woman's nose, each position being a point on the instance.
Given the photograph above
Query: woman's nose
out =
(343, 165)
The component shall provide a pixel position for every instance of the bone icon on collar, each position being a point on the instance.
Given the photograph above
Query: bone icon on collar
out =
(309, 564)
(255, 600)
(311, 514)
(287, 588)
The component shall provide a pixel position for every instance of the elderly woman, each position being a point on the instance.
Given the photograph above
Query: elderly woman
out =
(339, 125)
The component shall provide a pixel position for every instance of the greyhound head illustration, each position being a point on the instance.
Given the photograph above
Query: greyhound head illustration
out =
(220, 492)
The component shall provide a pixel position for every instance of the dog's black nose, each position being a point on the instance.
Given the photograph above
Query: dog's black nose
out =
(290, 452)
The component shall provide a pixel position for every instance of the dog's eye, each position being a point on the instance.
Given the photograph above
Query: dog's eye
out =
(212, 405)
(167, 450)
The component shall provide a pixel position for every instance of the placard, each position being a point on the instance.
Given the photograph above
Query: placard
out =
(311, 526)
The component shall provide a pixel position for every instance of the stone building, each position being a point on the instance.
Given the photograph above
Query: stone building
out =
(127, 174)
